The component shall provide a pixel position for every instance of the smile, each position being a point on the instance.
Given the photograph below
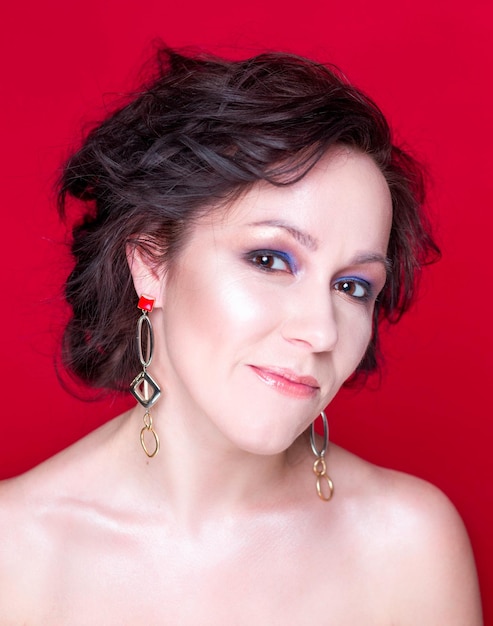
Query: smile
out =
(287, 382)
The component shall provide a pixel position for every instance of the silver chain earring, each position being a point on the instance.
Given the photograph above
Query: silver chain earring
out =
(143, 387)
(325, 486)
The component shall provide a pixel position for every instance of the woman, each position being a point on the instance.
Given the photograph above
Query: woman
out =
(255, 223)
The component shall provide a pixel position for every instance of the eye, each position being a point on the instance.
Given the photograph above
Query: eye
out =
(356, 288)
(270, 260)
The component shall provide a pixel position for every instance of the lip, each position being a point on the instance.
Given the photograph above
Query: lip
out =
(286, 381)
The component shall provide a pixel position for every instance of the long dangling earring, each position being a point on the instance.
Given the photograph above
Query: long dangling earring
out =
(143, 387)
(319, 466)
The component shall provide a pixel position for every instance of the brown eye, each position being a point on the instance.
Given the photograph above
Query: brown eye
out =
(347, 287)
(354, 288)
(267, 260)
(264, 260)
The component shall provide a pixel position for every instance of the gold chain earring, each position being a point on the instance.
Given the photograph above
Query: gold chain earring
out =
(143, 387)
(319, 466)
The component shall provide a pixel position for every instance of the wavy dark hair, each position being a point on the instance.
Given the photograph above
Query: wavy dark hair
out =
(199, 133)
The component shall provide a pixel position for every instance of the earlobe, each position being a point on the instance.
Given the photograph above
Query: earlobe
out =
(147, 278)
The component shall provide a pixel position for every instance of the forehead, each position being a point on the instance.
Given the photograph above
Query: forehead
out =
(344, 190)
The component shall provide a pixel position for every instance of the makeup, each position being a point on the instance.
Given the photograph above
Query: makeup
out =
(272, 260)
(287, 382)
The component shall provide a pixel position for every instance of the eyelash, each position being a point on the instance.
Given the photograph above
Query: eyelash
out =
(353, 284)
(257, 256)
(342, 285)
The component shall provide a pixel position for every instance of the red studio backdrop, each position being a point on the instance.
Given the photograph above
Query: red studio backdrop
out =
(427, 64)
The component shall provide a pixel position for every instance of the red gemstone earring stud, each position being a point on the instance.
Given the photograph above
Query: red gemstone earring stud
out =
(143, 387)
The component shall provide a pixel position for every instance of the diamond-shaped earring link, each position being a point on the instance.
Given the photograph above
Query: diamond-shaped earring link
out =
(143, 387)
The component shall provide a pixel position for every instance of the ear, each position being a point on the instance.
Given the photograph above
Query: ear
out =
(147, 278)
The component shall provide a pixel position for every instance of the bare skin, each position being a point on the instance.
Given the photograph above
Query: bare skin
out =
(266, 313)
(91, 537)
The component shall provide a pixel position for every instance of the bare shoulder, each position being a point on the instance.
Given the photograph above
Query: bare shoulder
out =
(77, 473)
(25, 546)
(416, 541)
(37, 514)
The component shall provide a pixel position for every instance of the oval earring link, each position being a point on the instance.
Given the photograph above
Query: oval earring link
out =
(143, 387)
(147, 428)
(324, 484)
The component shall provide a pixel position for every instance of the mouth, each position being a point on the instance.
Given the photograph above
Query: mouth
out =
(287, 382)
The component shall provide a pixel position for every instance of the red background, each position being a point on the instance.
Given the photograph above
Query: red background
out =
(428, 65)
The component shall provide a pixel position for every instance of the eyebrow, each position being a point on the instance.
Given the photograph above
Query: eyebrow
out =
(311, 243)
(373, 257)
(301, 236)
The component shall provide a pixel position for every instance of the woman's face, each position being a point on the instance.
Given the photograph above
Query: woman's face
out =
(268, 308)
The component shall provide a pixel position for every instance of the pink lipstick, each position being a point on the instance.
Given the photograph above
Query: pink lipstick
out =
(287, 382)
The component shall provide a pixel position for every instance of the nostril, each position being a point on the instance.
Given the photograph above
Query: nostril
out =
(315, 329)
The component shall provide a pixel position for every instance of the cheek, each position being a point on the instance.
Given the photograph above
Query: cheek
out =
(218, 310)
(239, 305)
(355, 338)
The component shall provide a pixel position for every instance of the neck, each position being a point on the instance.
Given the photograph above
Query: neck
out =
(197, 469)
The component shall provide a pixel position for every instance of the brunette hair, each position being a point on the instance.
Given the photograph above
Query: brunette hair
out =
(199, 133)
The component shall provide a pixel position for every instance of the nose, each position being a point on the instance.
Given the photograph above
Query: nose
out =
(312, 321)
